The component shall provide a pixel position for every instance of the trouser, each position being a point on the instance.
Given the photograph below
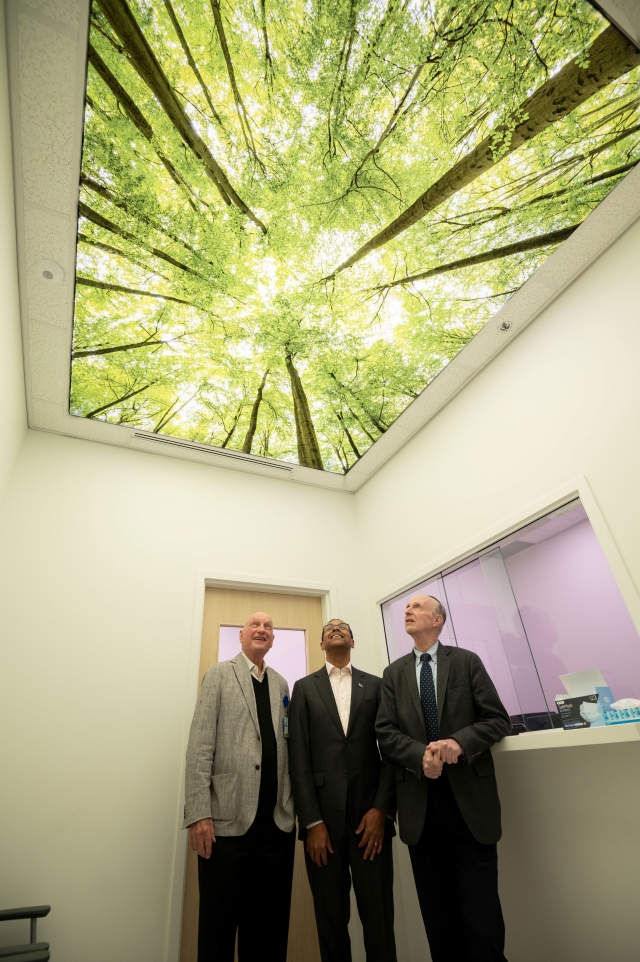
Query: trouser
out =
(373, 886)
(457, 884)
(245, 887)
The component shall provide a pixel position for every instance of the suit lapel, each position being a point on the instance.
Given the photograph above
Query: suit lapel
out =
(358, 688)
(444, 664)
(326, 693)
(244, 680)
(410, 672)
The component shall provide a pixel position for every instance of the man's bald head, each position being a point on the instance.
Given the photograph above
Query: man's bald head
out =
(256, 637)
(424, 618)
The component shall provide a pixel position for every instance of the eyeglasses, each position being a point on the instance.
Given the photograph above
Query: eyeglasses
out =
(342, 627)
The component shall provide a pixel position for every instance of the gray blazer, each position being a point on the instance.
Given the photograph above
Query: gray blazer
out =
(469, 710)
(222, 778)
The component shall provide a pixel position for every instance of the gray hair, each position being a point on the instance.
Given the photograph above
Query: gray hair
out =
(439, 610)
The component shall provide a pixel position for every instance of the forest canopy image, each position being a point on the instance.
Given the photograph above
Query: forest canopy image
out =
(294, 214)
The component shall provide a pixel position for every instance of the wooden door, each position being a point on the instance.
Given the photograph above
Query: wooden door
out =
(228, 606)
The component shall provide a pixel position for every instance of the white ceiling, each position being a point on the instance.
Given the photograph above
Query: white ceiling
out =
(47, 42)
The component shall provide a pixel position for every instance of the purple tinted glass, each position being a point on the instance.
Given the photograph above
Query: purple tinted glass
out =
(288, 656)
(573, 612)
(476, 627)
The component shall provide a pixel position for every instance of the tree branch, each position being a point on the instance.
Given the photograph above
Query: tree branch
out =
(125, 397)
(528, 244)
(610, 56)
(191, 61)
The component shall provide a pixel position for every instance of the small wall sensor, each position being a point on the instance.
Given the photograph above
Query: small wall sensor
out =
(504, 326)
(49, 272)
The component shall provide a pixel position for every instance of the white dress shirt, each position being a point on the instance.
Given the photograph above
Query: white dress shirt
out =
(340, 679)
(433, 665)
(253, 668)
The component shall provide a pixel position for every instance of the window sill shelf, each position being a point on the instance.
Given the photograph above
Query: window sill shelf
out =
(558, 738)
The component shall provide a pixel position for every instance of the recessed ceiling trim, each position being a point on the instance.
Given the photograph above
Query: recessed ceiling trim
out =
(46, 214)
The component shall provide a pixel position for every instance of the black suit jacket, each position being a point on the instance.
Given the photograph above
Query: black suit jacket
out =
(336, 778)
(470, 711)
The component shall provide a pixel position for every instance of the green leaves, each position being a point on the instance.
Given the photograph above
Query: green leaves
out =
(208, 123)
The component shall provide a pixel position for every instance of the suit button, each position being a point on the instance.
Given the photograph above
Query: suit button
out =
(257, 768)
(258, 737)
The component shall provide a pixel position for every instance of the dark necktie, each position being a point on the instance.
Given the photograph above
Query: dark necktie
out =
(428, 697)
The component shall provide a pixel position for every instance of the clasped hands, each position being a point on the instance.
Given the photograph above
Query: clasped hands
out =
(372, 828)
(447, 751)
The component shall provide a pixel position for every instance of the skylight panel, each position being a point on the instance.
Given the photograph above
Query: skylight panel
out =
(294, 215)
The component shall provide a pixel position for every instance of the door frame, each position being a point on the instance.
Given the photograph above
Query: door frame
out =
(208, 578)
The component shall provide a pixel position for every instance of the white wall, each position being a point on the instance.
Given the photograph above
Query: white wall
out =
(563, 400)
(12, 398)
(100, 549)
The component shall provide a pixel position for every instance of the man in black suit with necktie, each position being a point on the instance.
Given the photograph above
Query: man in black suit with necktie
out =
(439, 716)
(345, 800)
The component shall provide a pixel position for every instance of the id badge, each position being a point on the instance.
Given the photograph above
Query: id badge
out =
(285, 726)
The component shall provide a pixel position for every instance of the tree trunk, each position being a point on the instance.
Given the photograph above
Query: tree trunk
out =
(528, 244)
(253, 420)
(85, 211)
(610, 56)
(144, 61)
(308, 448)
(136, 117)
(109, 249)
(119, 288)
(346, 430)
(241, 110)
(187, 52)
(234, 425)
(113, 198)
(98, 351)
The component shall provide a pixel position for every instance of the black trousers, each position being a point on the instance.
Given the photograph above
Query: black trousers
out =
(373, 885)
(246, 887)
(457, 883)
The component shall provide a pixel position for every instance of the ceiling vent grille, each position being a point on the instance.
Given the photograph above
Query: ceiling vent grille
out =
(213, 451)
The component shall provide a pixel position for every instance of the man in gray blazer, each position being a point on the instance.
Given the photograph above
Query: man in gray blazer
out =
(439, 716)
(238, 804)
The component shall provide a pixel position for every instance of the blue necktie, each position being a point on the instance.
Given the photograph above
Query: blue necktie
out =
(428, 697)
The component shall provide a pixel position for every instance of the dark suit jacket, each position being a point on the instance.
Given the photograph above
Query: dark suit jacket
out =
(336, 777)
(470, 711)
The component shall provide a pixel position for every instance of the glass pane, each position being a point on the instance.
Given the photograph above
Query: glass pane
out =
(288, 656)
(476, 627)
(571, 606)
(514, 642)
(398, 641)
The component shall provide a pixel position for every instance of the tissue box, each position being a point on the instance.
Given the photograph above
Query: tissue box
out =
(622, 716)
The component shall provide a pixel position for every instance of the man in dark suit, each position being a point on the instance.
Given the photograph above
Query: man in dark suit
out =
(439, 716)
(345, 800)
